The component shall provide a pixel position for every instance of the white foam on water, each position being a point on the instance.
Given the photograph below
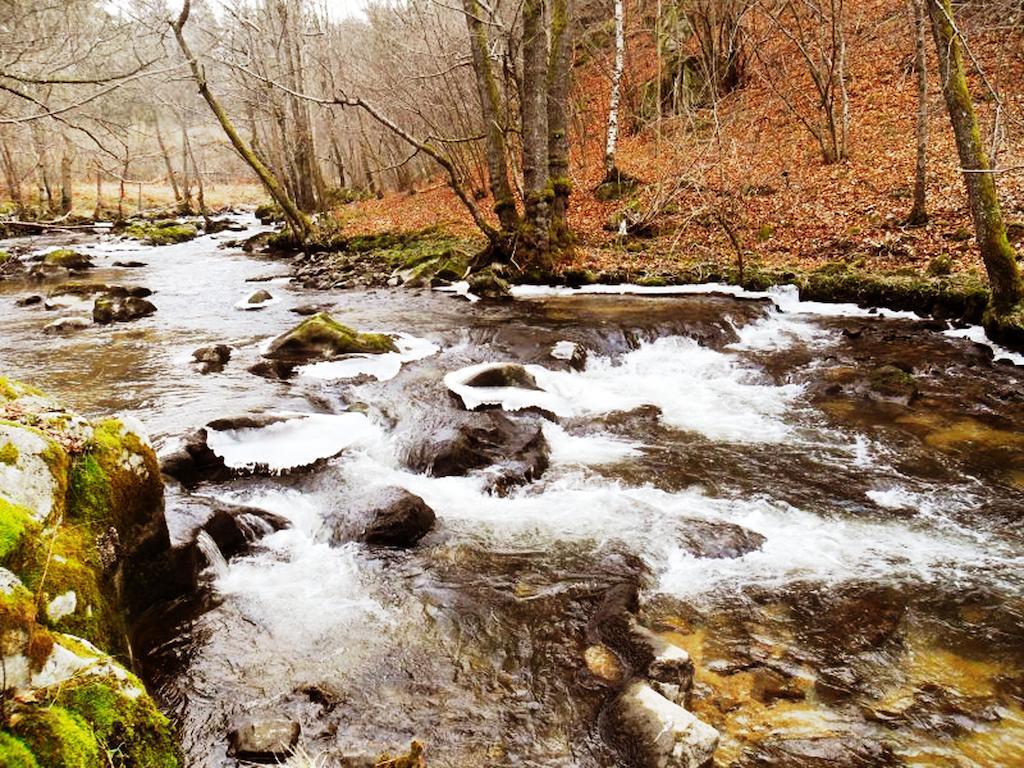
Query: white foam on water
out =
(563, 350)
(301, 510)
(778, 332)
(696, 388)
(977, 334)
(305, 591)
(382, 367)
(592, 449)
(297, 441)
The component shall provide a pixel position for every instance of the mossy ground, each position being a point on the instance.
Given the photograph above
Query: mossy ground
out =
(14, 753)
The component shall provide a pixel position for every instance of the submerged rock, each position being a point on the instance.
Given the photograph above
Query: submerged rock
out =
(650, 730)
(516, 451)
(843, 751)
(267, 740)
(718, 540)
(213, 358)
(398, 519)
(121, 309)
(29, 301)
(130, 264)
(64, 325)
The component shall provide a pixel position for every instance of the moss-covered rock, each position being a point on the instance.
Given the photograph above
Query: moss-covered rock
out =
(322, 337)
(68, 259)
(83, 546)
(1006, 327)
(166, 232)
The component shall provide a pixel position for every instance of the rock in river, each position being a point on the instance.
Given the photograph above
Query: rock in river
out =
(213, 358)
(398, 519)
(121, 309)
(266, 740)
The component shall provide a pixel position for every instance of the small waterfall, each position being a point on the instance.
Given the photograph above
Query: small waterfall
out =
(212, 553)
(253, 527)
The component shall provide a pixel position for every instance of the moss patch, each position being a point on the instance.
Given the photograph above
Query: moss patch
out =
(15, 523)
(58, 738)
(9, 454)
(323, 336)
(67, 258)
(130, 729)
(162, 232)
(14, 753)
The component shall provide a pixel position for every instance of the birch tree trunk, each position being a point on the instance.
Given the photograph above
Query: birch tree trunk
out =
(919, 212)
(171, 179)
(616, 95)
(990, 230)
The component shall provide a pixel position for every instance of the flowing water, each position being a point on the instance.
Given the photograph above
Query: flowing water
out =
(881, 621)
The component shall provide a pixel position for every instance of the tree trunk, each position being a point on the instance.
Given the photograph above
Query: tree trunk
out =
(296, 219)
(65, 179)
(559, 70)
(98, 210)
(168, 165)
(11, 179)
(919, 212)
(616, 95)
(491, 109)
(983, 199)
(200, 188)
(534, 118)
(186, 180)
(121, 189)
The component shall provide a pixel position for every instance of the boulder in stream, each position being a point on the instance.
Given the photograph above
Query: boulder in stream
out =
(321, 337)
(29, 301)
(64, 325)
(121, 309)
(212, 358)
(718, 539)
(67, 259)
(502, 375)
(515, 450)
(650, 730)
(398, 519)
(264, 740)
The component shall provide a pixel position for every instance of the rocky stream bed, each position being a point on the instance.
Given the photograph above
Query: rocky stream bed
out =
(577, 528)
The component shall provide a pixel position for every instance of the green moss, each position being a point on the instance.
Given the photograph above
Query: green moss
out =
(12, 390)
(322, 334)
(58, 739)
(14, 753)
(9, 454)
(67, 258)
(5, 257)
(162, 232)
(132, 730)
(940, 266)
(88, 491)
(15, 523)
(1006, 327)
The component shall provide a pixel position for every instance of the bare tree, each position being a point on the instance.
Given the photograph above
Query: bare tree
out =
(919, 212)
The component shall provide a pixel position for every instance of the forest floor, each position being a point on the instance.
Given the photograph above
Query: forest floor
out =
(751, 165)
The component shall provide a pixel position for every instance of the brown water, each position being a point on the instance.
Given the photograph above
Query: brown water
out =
(881, 622)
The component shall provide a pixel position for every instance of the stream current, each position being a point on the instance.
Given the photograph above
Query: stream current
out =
(879, 622)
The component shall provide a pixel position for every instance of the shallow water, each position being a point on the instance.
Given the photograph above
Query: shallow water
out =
(887, 593)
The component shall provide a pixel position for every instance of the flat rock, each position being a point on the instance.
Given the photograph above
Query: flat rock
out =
(269, 740)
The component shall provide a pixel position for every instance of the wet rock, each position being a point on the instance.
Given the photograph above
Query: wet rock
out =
(503, 375)
(235, 528)
(398, 519)
(412, 759)
(488, 284)
(650, 730)
(718, 540)
(64, 325)
(604, 664)
(846, 751)
(213, 358)
(516, 450)
(889, 382)
(130, 264)
(935, 709)
(574, 355)
(267, 740)
(321, 337)
(68, 259)
(29, 301)
(116, 309)
(260, 297)
(770, 685)
(305, 310)
(194, 462)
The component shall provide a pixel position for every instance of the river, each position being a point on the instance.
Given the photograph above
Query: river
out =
(879, 622)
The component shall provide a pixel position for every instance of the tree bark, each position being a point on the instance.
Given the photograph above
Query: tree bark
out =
(999, 257)
(168, 165)
(296, 219)
(491, 109)
(65, 179)
(616, 94)
(919, 211)
(11, 179)
(559, 70)
(98, 210)
(534, 126)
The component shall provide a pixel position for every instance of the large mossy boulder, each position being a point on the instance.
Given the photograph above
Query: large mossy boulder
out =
(164, 232)
(321, 337)
(68, 259)
(84, 548)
